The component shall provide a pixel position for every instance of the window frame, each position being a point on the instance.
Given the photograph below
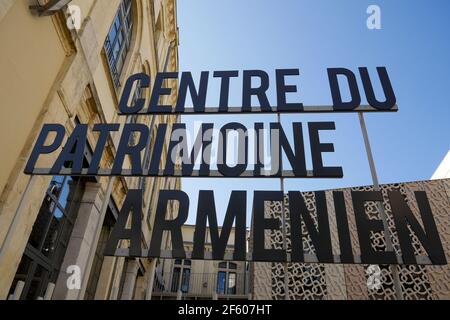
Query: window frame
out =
(122, 25)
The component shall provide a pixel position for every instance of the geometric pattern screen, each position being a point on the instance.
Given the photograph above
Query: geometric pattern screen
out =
(312, 281)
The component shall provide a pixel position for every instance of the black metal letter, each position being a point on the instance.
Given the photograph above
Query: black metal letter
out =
(248, 91)
(320, 236)
(198, 97)
(187, 168)
(158, 148)
(73, 151)
(133, 203)
(261, 223)
(105, 129)
(345, 243)
(41, 148)
(297, 160)
(385, 84)
(173, 226)
(143, 81)
(206, 211)
(224, 86)
(366, 226)
(159, 90)
(223, 168)
(283, 88)
(259, 149)
(317, 148)
(133, 151)
(429, 237)
(338, 104)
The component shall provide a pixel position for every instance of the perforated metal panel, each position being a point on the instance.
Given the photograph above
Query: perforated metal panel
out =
(338, 281)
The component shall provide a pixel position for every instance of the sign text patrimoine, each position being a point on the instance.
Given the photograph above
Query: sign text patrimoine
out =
(251, 162)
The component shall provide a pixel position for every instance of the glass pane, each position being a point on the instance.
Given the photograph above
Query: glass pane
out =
(221, 278)
(187, 262)
(66, 191)
(42, 222)
(112, 34)
(116, 51)
(231, 283)
(177, 261)
(175, 279)
(223, 265)
(22, 272)
(117, 21)
(58, 214)
(185, 280)
(38, 284)
(120, 39)
(232, 265)
(51, 239)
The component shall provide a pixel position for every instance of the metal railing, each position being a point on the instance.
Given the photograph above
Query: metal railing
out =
(200, 285)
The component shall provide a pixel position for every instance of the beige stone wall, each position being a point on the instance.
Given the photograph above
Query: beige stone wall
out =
(50, 75)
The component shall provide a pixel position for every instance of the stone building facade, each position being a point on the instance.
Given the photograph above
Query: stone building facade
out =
(316, 281)
(67, 65)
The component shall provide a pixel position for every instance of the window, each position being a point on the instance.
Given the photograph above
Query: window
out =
(221, 282)
(47, 244)
(117, 43)
(226, 278)
(181, 275)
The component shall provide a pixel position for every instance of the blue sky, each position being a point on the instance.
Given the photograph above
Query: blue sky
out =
(312, 36)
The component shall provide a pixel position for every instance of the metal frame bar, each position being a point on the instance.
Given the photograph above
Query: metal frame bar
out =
(177, 174)
(258, 110)
(228, 256)
(376, 186)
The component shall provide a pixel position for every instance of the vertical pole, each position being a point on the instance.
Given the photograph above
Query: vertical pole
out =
(376, 186)
(147, 154)
(283, 221)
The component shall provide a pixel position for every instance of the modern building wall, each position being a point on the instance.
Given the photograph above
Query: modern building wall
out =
(315, 281)
(55, 74)
(443, 170)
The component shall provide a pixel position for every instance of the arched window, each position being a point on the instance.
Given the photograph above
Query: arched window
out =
(117, 43)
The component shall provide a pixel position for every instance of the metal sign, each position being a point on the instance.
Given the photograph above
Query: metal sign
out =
(181, 162)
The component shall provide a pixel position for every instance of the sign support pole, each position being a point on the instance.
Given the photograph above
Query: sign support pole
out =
(283, 221)
(376, 186)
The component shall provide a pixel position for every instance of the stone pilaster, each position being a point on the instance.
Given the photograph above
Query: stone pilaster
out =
(130, 280)
(81, 241)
